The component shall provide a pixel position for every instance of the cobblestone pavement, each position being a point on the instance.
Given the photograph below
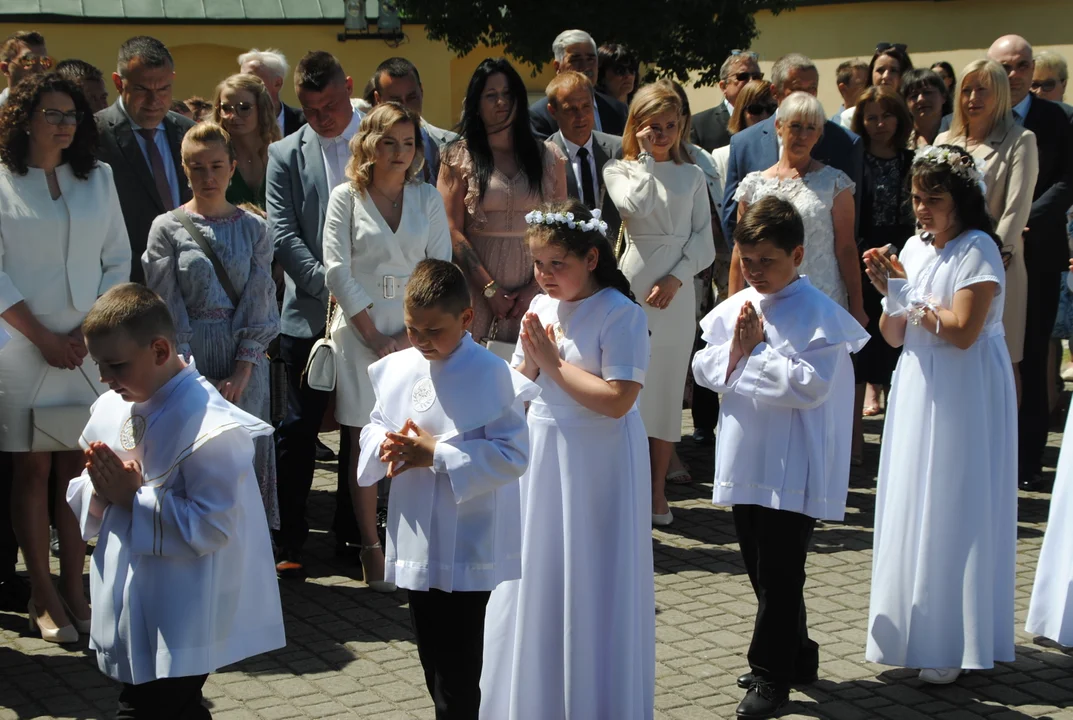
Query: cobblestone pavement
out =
(350, 652)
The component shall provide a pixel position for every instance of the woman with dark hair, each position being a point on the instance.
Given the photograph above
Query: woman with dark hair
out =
(617, 69)
(490, 177)
(928, 100)
(883, 123)
(942, 596)
(945, 71)
(889, 63)
(243, 107)
(63, 243)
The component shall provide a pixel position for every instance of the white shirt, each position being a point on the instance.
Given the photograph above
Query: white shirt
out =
(279, 121)
(596, 112)
(575, 166)
(728, 106)
(1020, 110)
(336, 150)
(160, 139)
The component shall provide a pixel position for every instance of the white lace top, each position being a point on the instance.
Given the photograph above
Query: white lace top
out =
(813, 196)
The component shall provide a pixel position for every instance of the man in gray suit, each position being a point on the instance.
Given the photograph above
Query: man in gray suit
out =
(587, 151)
(397, 80)
(141, 138)
(303, 168)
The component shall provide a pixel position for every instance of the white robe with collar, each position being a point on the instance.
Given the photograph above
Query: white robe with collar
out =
(183, 583)
(457, 525)
(785, 417)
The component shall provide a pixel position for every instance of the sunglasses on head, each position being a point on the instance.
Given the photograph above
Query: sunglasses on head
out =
(747, 76)
(1045, 85)
(751, 55)
(761, 108)
(883, 46)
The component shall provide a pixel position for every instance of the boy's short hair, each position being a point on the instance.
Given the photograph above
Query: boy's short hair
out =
(773, 219)
(438, 284)
(133, 309)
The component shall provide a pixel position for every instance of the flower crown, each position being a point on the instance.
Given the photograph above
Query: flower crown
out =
(596, 224)
(962, 164)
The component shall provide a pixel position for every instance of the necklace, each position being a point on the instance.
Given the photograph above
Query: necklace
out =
(395, 202)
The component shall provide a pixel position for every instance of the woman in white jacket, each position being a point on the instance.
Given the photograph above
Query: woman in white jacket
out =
(63, 243)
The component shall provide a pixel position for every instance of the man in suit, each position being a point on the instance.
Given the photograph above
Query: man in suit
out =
(757, 148)
(22, 54)
(587, 151)
(271, 67)
(302, 171)
(140, 138)
(397, 80)
(576, 50)
(710, 126)
(1046, 246)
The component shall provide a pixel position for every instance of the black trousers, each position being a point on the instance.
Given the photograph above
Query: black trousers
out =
(9, 547)
(296, 453)
(1034, 416)
(705, 406)
(167, 699)
(774, 544)
(450, 642)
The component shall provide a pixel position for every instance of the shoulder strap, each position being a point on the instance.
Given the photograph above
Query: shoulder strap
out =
(221, 274)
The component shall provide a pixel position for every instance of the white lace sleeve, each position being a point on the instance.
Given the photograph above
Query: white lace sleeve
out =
(747, 188)
(843, 182)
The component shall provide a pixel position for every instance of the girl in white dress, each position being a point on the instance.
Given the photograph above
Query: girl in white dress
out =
(663, 201)
(946, 511)
(377, 228)
(574, 639)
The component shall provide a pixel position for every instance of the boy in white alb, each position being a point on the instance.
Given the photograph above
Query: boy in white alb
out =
(779, 353)
(182, 579)
(449, 428)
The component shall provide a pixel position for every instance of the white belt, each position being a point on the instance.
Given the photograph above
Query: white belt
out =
(390, 286)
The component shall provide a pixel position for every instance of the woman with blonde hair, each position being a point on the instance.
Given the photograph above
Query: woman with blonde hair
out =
(984, 125)
(663, 201)
(377, 227)
(243, 107)
(224, 322)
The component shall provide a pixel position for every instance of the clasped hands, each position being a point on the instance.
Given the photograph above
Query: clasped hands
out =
(114, 480)
(748, 333)
(410, 447)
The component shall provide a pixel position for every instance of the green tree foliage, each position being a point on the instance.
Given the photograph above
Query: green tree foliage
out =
(678, 37)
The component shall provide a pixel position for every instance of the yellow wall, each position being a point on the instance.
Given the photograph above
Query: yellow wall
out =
(956, 30)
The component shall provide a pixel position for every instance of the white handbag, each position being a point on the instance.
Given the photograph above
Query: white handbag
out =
(320, 367)
(504, 350)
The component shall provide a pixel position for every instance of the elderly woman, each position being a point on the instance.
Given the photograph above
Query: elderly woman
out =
(984, 125)
(490, 177)
(617, 69)
(889, 63)
(667, 215)
(926, 96)
(822, 195)
(378, 226)
(243, 107)
(63, 243)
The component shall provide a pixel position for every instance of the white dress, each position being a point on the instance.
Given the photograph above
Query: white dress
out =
(366, 267)
(666, 212)
(946, 506)
(1050, 612)
(574, 639)
(813, 196)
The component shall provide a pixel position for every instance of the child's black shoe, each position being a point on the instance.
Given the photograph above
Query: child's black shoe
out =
(764, 700)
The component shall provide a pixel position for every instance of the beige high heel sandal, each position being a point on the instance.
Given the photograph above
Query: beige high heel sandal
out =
(62, 635)
(82, 626)
(380, 586)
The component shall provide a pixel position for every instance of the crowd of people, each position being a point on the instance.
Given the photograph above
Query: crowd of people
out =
(210, 283)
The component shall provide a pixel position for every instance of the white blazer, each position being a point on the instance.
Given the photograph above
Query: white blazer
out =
(37, 260)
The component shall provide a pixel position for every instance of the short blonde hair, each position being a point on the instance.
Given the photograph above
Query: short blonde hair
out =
(651, 100)
(263, 107)
(801, 106)
(564, 83)
(1049, 60)
(372, 130)
(993, 77)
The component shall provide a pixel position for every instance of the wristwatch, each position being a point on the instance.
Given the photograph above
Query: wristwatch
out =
(643, 155)
(490, 290)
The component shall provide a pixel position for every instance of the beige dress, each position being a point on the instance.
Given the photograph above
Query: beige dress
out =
(1011, 164)
(495, 227)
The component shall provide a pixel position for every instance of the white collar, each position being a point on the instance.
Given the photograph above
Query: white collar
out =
(728, 106)
(572, 148)
(1021, 108)
(133, 124)
(279, 115)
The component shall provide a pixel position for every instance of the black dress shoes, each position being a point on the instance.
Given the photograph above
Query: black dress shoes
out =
(324, 454)
(1031, 482)
(764, 700)
(804, 678)
(702, 436)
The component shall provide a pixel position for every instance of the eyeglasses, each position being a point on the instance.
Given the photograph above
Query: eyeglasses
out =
(761, 108)
(29, 62)
(1045, 85)
(241, 109)
(884, 46)
(57, 117)
(751, 55)
(747, 76)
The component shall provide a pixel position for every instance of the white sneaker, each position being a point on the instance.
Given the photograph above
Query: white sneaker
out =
(940, 676)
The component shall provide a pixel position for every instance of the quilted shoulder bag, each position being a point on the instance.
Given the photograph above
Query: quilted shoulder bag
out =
(320, 367)
(504, 350)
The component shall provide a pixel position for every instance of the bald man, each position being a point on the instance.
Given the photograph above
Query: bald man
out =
(1046, 245)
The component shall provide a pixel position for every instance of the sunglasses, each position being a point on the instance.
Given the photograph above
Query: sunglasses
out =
(29, 62)
(56, 117)
(883, 46)
(747, 76)
(241, 109)
(761, 108)
(1045, 85)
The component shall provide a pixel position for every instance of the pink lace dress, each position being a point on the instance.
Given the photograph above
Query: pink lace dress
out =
(495, 227)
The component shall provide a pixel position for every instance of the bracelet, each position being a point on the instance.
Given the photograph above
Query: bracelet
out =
(490, 284)
(938, 324)
(643, 155)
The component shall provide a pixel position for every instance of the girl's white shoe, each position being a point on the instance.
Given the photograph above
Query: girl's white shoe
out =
(940, 676)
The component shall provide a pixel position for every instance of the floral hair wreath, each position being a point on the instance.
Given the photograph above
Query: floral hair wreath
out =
(595, 225)
(963, 165)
